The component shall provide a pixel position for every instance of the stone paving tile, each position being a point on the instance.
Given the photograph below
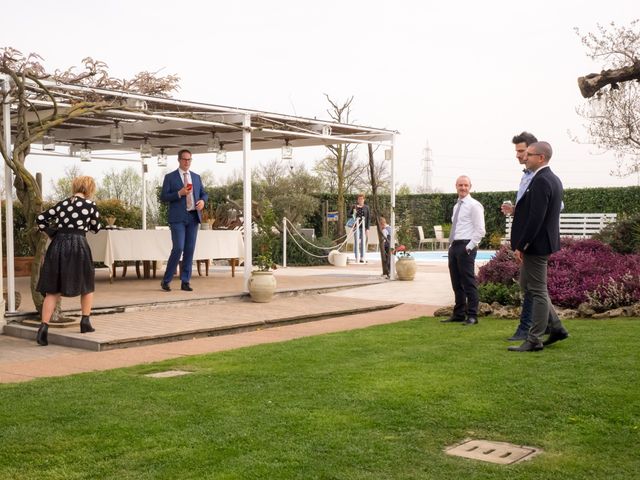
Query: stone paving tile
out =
(164, 322)
(95, 361)
(18, 349)
(22, 360)
(131, 290)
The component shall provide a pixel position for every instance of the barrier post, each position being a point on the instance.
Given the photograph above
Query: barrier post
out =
(284, 242)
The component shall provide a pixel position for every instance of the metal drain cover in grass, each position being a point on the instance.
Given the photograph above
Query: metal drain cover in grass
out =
(168, 373)
(494, 452)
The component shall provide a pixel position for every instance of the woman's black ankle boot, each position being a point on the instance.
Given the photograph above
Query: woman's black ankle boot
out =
(41, 336)
(85, 325)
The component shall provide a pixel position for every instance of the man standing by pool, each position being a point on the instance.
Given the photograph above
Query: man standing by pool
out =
(521, 142)
(535, 235)
(467, 229)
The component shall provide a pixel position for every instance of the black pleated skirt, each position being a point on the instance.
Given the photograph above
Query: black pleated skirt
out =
(68, 266)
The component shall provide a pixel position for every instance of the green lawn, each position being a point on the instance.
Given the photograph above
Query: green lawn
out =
(379, 403)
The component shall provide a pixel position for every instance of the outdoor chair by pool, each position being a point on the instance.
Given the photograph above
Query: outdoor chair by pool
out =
(422, 240)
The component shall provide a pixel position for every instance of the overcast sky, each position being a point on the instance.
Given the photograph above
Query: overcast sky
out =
(464, 76)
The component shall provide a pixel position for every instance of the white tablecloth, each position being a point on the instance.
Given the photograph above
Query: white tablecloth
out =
(108, 246)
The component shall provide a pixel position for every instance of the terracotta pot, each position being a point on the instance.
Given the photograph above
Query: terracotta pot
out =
(406, 268)
(261, 286)
(22, 266)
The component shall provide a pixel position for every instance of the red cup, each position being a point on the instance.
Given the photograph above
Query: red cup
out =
(189, 186)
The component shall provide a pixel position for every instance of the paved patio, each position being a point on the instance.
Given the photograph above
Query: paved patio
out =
(321, 297)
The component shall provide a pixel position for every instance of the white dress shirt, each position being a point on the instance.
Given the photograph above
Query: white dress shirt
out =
(470, 225)
(190, 194)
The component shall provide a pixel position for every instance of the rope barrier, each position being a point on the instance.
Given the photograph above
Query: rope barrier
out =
(304, 238)
(306, 251)
(348, 236)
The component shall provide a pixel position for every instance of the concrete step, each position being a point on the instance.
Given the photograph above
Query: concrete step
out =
(161, 300)
(160, 325)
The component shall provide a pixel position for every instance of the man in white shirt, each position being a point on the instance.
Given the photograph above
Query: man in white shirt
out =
(467, 230)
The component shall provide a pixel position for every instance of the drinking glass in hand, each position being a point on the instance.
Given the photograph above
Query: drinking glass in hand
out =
(507, 207)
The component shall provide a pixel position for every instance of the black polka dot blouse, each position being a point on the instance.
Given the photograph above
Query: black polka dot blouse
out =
(71, 214)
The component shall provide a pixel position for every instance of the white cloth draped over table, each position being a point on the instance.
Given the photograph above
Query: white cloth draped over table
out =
(108, 246)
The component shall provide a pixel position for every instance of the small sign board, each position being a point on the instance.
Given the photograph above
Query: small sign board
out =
(332, 216)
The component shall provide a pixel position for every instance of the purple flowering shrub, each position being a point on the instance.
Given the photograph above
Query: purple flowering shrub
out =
(582, 271)
(615, 293)
(502, 268)
(585, 266)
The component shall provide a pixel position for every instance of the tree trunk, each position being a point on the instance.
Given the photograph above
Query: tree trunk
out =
(341, 206)
(30, 195)
(376, 211)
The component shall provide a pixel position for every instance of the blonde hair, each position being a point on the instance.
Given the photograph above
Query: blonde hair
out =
(85, 185)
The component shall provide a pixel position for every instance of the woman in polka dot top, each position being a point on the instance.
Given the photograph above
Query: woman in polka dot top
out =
(68, 269)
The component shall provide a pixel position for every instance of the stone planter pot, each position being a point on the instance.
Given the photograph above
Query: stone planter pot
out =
(261, 286)
(406, 268)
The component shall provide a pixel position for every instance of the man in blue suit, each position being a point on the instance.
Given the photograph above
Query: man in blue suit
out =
(535, 235)
(183, 190)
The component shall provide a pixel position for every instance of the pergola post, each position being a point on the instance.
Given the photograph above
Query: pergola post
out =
(144, 193)
(5, 89)
(8, 188)
(392, 264)
(248, 214)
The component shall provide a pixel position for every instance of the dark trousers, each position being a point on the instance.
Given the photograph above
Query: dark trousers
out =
(183, 238)
(533, 282)
(463, 279)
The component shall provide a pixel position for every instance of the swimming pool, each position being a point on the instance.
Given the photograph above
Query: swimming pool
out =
(437, 256)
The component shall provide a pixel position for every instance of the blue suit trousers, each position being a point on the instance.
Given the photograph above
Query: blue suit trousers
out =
(183, 238)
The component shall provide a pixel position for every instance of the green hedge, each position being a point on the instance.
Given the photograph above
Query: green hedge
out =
(436, 208)
(431, 209)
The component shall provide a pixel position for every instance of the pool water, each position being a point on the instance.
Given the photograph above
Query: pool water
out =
(436, 256)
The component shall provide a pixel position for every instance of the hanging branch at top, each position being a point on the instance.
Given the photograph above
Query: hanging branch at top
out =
(590, 84)
(613, 117)
(39, 105)
(618, 50)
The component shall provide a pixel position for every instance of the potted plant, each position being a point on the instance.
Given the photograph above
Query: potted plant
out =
(262, 283)
(205, 225)
(405, 263)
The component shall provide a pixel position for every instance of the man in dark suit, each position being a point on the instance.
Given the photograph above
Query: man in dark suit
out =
(183, 190)
(535, 234)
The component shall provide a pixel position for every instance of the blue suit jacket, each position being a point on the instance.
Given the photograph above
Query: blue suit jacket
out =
(178, 205)
(536, 219)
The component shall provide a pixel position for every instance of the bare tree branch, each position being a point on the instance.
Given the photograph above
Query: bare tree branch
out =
(592, 83)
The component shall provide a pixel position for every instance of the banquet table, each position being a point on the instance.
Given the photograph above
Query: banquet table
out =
(109, 246)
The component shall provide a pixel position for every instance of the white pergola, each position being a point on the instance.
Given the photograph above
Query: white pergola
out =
(171, 125)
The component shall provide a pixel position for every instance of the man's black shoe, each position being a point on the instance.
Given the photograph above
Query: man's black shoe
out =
(527, 347)
(165, 286)
(470, 321)
(452, 320)
(518, 337)
(555, 337)
(185, 286)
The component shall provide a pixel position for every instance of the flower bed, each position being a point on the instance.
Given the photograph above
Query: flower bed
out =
(582, 271)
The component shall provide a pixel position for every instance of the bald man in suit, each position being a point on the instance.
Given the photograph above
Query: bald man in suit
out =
(535, 235)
